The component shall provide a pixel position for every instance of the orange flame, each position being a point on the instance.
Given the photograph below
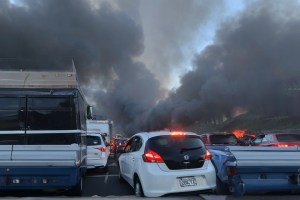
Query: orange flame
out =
(239, 133)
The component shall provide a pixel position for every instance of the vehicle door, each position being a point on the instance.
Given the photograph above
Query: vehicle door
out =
(134, 157)
(124, 160)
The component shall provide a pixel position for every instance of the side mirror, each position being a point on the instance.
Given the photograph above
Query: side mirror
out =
(105, 134)
(89, 112)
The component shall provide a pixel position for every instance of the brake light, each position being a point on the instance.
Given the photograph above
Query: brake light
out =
(177, 133)
(152, 156)
(207, 155)
(282, 145)
(231, 171)
(102, 149)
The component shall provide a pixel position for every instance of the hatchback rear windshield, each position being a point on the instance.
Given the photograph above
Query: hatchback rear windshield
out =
(176, 145)
(93, 140)
(288, 137)
(223, 139)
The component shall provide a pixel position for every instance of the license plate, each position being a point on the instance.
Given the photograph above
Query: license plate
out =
(187, 181)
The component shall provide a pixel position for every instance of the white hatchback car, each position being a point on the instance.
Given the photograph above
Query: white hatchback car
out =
(97, 151)
(159, 163)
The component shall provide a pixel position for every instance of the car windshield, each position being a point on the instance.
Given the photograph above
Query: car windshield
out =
(223, 139)
(288, 137)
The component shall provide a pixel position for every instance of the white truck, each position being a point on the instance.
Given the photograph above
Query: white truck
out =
(103, 127)
(42, 131)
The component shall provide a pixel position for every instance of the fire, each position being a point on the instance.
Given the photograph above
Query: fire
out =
(239, 133)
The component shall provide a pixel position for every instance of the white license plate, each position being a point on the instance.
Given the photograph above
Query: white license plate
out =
(187, 181)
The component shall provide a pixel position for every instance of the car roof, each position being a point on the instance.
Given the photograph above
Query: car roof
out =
(159, 133)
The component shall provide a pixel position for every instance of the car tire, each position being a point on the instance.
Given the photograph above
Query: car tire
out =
(221, 188)
(138, 189)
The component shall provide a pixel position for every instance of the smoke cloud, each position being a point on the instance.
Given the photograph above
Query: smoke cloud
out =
(252, 64)
(103, 42)
(173, 29)
(97, 39)
(104, 38)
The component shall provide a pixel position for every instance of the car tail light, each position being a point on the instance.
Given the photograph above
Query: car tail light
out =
(283, 145)
(152, 156)
(207, 155)
(280, 145)
(102, 149)
(177, 133)
(231, 171)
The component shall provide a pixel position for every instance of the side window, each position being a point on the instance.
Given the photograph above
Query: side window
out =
(128, 146)
(272, 139)
(136, 144)
(12, 113)
(103, 138)
(259, 139)
(267, 139)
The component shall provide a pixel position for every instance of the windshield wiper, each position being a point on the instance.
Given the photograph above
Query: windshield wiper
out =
(189, 149)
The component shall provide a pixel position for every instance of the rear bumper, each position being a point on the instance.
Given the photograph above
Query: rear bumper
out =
(39, 177)
(94, 163)
(156, 182)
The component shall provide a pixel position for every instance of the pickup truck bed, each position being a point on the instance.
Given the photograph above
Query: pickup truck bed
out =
(246, 169)
(39, 166)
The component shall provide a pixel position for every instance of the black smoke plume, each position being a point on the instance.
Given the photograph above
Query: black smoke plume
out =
(102, 41)
(253, 64)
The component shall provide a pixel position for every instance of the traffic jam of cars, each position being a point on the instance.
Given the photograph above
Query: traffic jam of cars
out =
(165, 162)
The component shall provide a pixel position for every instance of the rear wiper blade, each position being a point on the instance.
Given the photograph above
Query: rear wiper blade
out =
(189, 149)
